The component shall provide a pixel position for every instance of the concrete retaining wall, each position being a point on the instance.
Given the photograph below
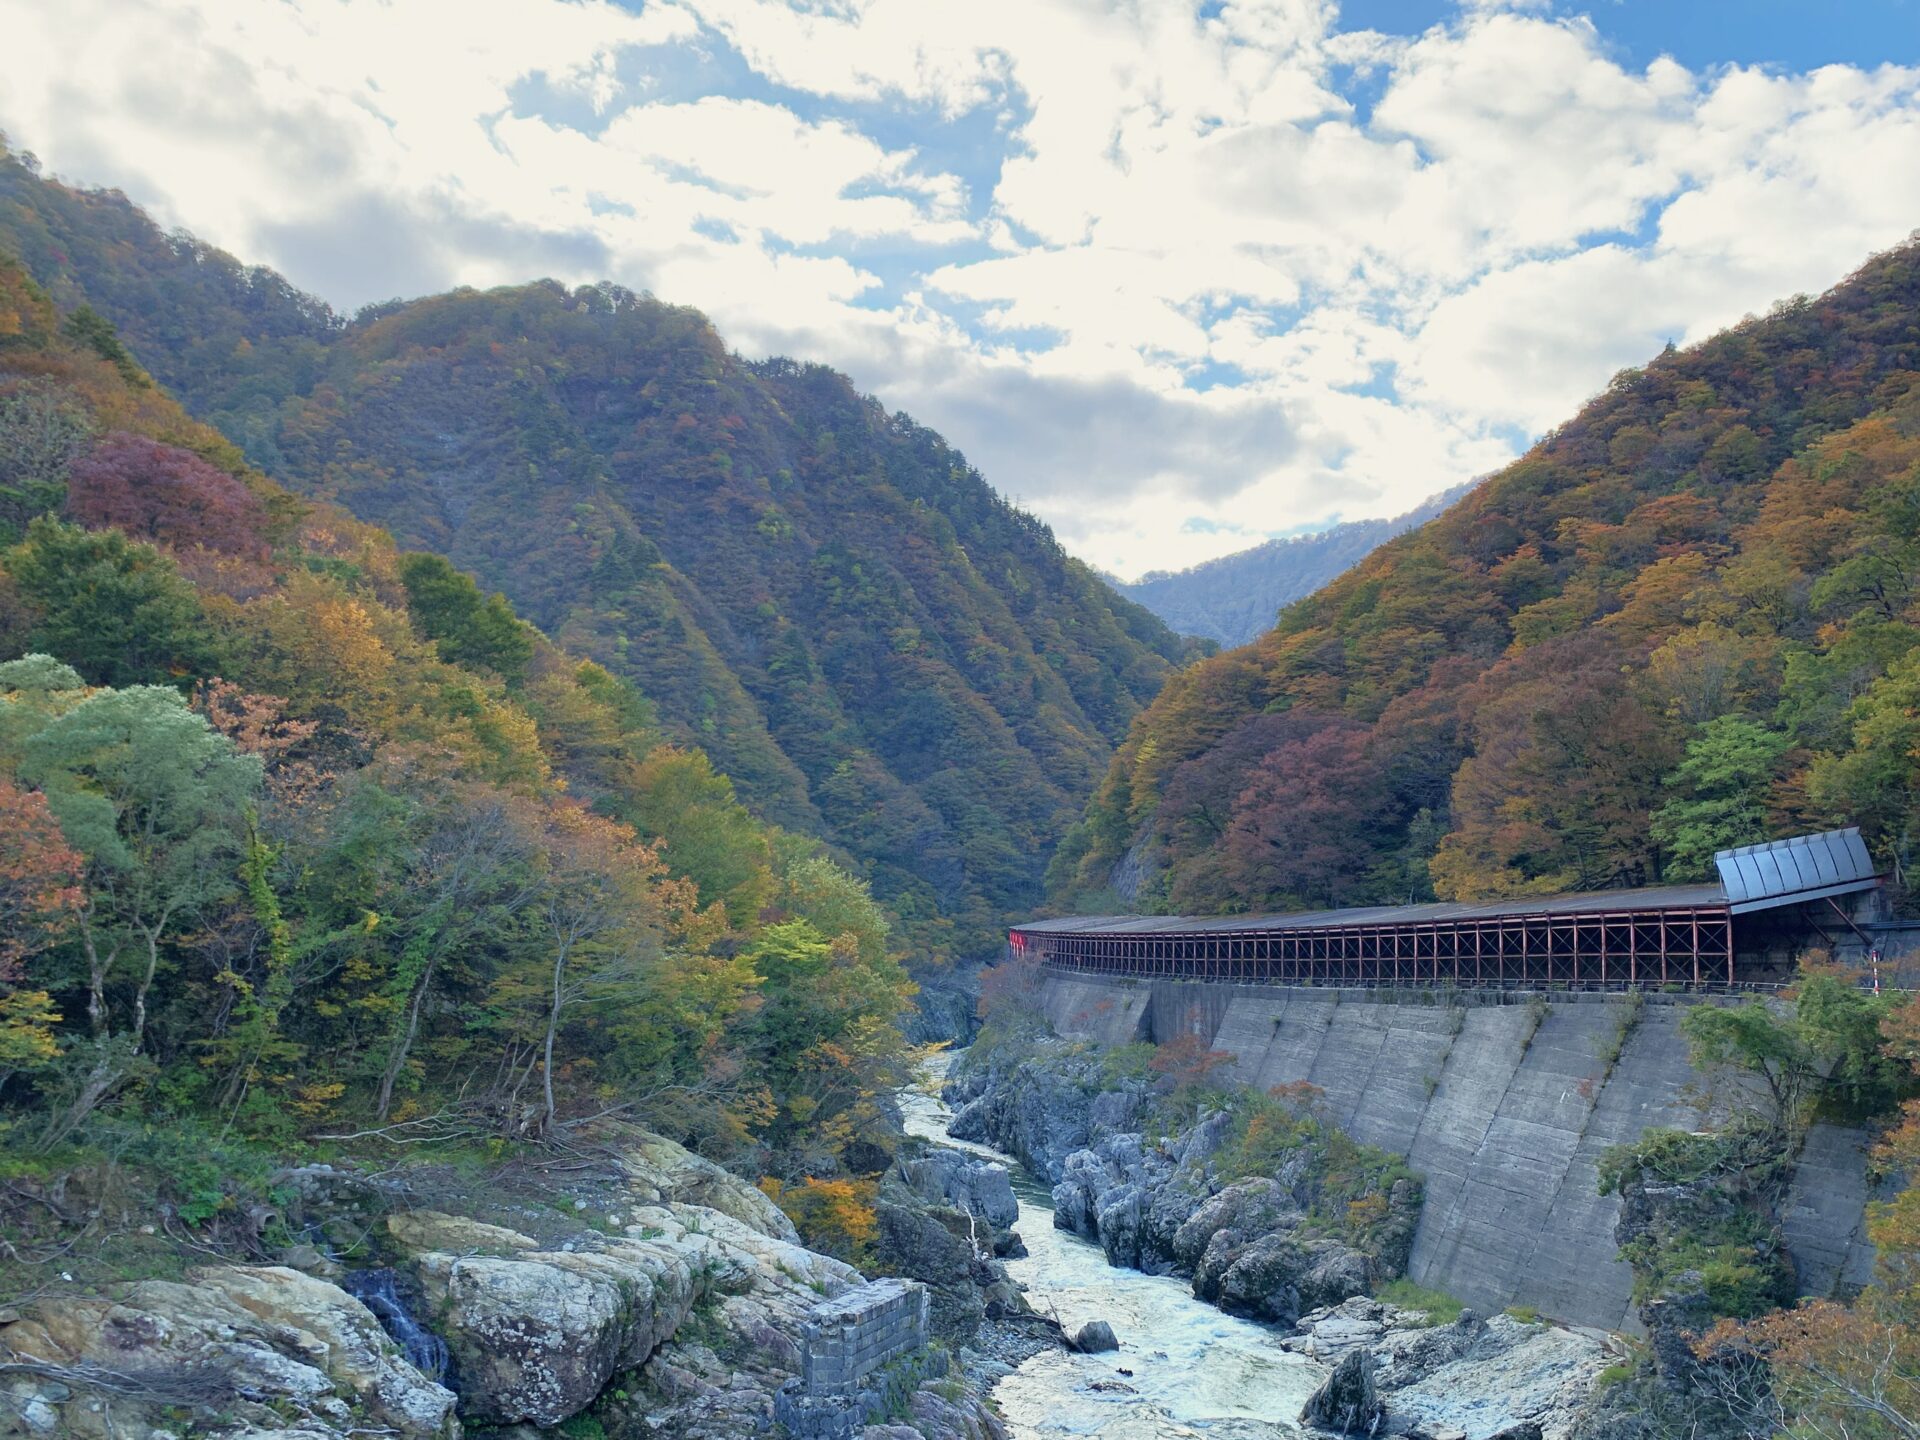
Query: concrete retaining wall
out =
(1505, 1103)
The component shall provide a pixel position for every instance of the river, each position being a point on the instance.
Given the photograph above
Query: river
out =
(1196, 1374)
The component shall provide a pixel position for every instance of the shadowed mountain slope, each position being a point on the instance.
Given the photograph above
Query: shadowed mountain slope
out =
(824, 596)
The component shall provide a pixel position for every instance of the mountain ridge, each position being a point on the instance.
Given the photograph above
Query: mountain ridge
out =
(821, 594)
(1688, 617)
(1232, 598)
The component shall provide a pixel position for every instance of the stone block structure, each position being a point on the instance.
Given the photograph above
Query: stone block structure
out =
(862, 1354)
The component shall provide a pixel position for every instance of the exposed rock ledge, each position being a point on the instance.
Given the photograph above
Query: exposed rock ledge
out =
(1250, 1244)
(1471, 1380)
(670, 1305)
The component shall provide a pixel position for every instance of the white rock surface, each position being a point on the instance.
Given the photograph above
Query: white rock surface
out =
(280, 1340)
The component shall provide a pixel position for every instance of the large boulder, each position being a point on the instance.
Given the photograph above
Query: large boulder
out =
(1130, 1196)
(1279, 1277)
(916, 1243)
(659, 1171)
(260, 1345)
(1042, 1110)
(1251, 1254)
(537, 1333)
(1095, 1337)
(1347, 1401)
(1487, 1376)
(975, 1187)
(1246, 1208)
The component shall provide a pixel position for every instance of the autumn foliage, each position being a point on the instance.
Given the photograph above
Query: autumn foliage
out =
(1853, 1369)
(301, 836)
(1686, 619)
(161, 492)
(39, 878)
(834, 1216)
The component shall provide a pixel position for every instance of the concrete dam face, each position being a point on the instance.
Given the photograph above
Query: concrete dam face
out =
(1505, 1103)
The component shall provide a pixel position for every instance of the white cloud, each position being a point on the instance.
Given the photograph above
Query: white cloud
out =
(1161, 271)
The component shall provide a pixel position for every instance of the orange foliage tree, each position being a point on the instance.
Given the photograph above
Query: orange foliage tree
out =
(39, 893)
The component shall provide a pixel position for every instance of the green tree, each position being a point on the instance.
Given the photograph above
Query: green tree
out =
(676, 795)
(156, 800)
(1753, 1039)
(1877, 781)
(1826, 1047)
(464, 875)
(837, 904)
(93, 330)
(468, 627)
(1722, 786)
(825, 1038)
(117, 611)
(598, 918)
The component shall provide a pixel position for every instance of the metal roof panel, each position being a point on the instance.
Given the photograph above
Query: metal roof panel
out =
(1791, 871)
(1752, 877)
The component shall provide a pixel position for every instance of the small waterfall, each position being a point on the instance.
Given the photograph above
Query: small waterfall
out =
(379, 1291)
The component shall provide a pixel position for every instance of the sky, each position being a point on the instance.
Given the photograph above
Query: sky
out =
(1177, 277)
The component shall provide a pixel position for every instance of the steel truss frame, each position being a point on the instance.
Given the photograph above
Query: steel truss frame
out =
(1690, 946)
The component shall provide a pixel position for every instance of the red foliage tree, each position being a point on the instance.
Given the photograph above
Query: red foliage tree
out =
(161, 492)
(1298, 825)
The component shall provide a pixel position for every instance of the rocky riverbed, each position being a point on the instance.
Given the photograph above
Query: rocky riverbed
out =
(1250, 1246)
(655, 1296)
(1272, 1244)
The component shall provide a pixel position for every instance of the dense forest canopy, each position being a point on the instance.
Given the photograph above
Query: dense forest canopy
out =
(1686, 619)
(822, 596)
(303, 836)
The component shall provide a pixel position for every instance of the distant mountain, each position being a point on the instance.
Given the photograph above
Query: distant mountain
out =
(823, 596)
(1234, 598)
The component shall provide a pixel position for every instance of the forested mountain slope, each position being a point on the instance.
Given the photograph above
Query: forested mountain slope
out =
(1234, 598)
(1685, 619)
(874, 645)
(299, 833)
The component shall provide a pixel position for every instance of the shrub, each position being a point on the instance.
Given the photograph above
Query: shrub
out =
(1437, 1306)
(834, 1216)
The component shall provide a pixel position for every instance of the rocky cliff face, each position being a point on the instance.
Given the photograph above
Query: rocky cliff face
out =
(664, 1300)
(1254, 1244)
(1505, 1106)
(1397, 1373)
(1700, 1224)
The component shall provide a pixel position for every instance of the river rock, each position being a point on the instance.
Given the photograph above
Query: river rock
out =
(1042, 1112)
(536, 1333)
(1095, 1337)
(423, 1230)
(1246, 1208)
(913, 1242)
(262, 1345)
(1503, 1374)
(660, 1171)
(1347, 1401)
(976, 1187)
(1130, 1196)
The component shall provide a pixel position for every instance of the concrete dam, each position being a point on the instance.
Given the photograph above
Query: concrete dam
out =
(1505, 1101)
